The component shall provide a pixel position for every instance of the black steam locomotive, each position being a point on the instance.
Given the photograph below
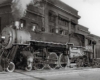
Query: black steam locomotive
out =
(29, 49)
(17, 40)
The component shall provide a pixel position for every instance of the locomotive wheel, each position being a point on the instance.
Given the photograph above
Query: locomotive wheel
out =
(28, 68)
(38, 64)
(11, 67)
(52, 60)
(62, 61)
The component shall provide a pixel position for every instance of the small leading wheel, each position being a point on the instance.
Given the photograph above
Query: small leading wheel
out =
(63, 60)
(11, 67)
(52, 60)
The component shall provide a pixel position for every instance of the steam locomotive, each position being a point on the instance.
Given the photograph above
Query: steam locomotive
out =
(46, 50)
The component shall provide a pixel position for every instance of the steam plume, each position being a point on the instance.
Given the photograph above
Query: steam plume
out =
(2, 1)
(19, 8)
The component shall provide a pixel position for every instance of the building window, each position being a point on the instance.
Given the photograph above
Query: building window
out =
(52, 16)
(66, 32)
(57, 30)
(61, 31)
(34, 27)
(72, 27)
(62, 21)
(22, 23)
(52, 29)
(52, 21)
(89, 42)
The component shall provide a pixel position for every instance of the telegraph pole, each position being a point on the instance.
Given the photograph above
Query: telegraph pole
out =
(44, 7)
(68, 44)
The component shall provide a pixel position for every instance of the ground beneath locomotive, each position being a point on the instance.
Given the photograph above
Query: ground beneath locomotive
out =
(61, 74)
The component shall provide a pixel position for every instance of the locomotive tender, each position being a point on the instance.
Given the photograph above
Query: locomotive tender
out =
(46, 33)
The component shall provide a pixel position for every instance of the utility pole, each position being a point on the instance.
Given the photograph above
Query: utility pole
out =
(69, 32)
(68, 44)
(44, 7)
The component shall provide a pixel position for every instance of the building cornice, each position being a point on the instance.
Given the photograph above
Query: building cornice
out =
(68, 12)
(83, 30)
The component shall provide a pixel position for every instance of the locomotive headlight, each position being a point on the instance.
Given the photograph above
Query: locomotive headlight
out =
(8, 37)
(3, 37)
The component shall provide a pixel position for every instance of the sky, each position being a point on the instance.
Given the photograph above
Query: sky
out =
(89, 10)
